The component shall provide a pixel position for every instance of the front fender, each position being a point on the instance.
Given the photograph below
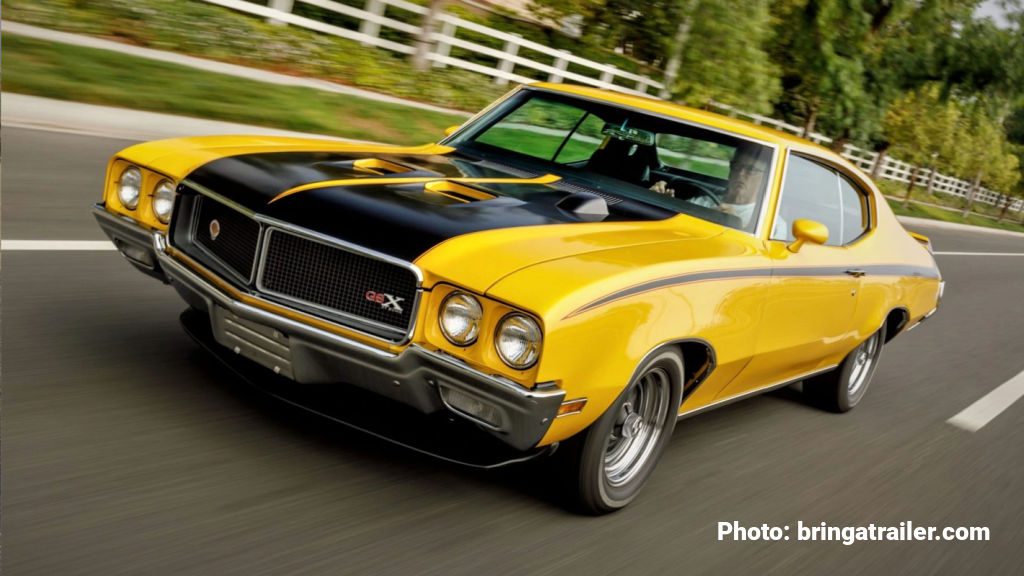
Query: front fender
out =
(594, 344)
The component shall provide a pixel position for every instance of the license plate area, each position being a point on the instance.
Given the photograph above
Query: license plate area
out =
(261, 344)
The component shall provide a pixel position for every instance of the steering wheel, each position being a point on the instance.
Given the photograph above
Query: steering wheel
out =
(689, 191)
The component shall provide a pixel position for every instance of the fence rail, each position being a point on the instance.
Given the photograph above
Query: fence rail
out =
(510, 64)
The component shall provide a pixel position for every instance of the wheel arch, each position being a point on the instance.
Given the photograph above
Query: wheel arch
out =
(895, 321)
(699, 361)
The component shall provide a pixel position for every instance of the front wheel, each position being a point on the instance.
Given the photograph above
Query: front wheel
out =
(843, 388)
(615, 456)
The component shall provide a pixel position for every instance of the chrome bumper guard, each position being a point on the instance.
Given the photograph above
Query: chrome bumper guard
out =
(426, 380)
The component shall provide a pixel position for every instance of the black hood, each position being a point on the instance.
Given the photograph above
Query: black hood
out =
(400, 219)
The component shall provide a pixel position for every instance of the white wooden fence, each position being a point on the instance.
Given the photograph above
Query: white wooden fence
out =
(519, 56)
(508, 64)
(891, 168)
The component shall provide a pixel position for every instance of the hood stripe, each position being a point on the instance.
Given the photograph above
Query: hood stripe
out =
(545, 179)
(781, 272)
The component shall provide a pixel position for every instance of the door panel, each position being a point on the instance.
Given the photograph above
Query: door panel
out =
(808, 321)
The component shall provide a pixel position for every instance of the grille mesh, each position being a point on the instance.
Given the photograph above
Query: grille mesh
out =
(237, 238)
(331, 277)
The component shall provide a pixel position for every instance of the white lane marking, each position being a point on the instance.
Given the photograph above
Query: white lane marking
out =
(977, 415)
(979, 253)
(55, 245)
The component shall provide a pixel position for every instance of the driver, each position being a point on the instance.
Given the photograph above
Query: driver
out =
(747, 171)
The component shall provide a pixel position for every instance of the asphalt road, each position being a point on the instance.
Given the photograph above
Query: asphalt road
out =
(127, 451)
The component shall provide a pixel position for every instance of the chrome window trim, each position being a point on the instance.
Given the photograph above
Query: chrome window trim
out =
(267, 223)
(839, 173)
(869, 203)
(756, 391)
(766, 195)
(839, 203)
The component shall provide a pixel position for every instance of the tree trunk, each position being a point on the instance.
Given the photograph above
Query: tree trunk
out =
(424, 43)
(970, 195)
(876, 168)
(910, 185)
(812, 119)
(678, 47)
(1007, 200)
(839, 143)
(931, 181)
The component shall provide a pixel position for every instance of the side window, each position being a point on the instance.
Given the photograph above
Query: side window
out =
(855, 210)
(809, 191)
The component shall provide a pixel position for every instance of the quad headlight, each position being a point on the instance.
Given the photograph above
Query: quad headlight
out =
(128, 187)
(460, 318)
(163, 201)
(518, 341)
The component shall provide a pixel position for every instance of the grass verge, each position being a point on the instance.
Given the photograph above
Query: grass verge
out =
(933, 213)
(96, 76)
(954, 204)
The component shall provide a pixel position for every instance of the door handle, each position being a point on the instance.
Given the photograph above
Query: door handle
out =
(856, 272)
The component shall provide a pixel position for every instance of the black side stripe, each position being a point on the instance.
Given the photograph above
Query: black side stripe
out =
(795, 272)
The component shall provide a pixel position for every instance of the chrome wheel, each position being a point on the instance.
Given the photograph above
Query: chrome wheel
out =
(638, 427)
(863, 360)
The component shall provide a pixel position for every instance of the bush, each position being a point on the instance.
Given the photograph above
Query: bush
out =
(209, 31)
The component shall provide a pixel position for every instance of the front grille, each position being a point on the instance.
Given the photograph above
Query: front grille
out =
(338, 281)
(228, 235)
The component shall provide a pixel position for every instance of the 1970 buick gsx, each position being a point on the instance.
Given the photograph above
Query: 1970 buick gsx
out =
(571, 266)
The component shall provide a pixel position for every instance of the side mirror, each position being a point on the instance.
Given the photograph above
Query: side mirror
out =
(807, 231)
(451, 129)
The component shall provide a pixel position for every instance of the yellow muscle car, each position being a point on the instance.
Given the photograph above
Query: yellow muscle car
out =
(570, 266)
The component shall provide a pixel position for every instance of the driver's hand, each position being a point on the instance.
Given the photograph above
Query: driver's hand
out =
(661, 187)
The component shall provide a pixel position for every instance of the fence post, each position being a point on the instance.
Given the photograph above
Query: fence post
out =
(560, 64)
(931, 181)
(283, 6)
(642, 84)
(442, 48)
(608, 77)
(507, 65)
(370, 28)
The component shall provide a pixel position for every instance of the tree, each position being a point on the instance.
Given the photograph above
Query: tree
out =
(724, 56)
(984, 141)
(424, 40)
(710, 50)
(845, 61)
(921, 127)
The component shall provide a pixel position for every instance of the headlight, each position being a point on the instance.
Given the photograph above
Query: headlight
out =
(163, 201)
(128, 187)
(518, 341)
(460, 318)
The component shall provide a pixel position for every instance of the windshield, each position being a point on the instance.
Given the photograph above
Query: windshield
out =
(628, 153)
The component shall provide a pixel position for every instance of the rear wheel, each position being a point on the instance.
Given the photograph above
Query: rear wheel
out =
(843, 388)
(615, 456)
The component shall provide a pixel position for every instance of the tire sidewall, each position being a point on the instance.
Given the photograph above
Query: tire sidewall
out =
(592, 475)
(845, 400)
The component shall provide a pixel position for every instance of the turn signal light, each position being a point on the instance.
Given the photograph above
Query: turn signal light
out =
(571, 407)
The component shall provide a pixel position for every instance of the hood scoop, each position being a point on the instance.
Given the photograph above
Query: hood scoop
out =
(457, 191)
(371, 166)
(585, 206)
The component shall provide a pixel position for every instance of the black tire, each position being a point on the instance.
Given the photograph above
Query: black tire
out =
(593, 489)
(835, 391)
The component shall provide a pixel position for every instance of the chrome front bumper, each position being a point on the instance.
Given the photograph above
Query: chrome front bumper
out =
(424, 379)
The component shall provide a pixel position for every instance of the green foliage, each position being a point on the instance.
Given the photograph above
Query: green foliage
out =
(103, 77)
(216, 33)
(725, 57)
(874, 72)
(923, 128)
